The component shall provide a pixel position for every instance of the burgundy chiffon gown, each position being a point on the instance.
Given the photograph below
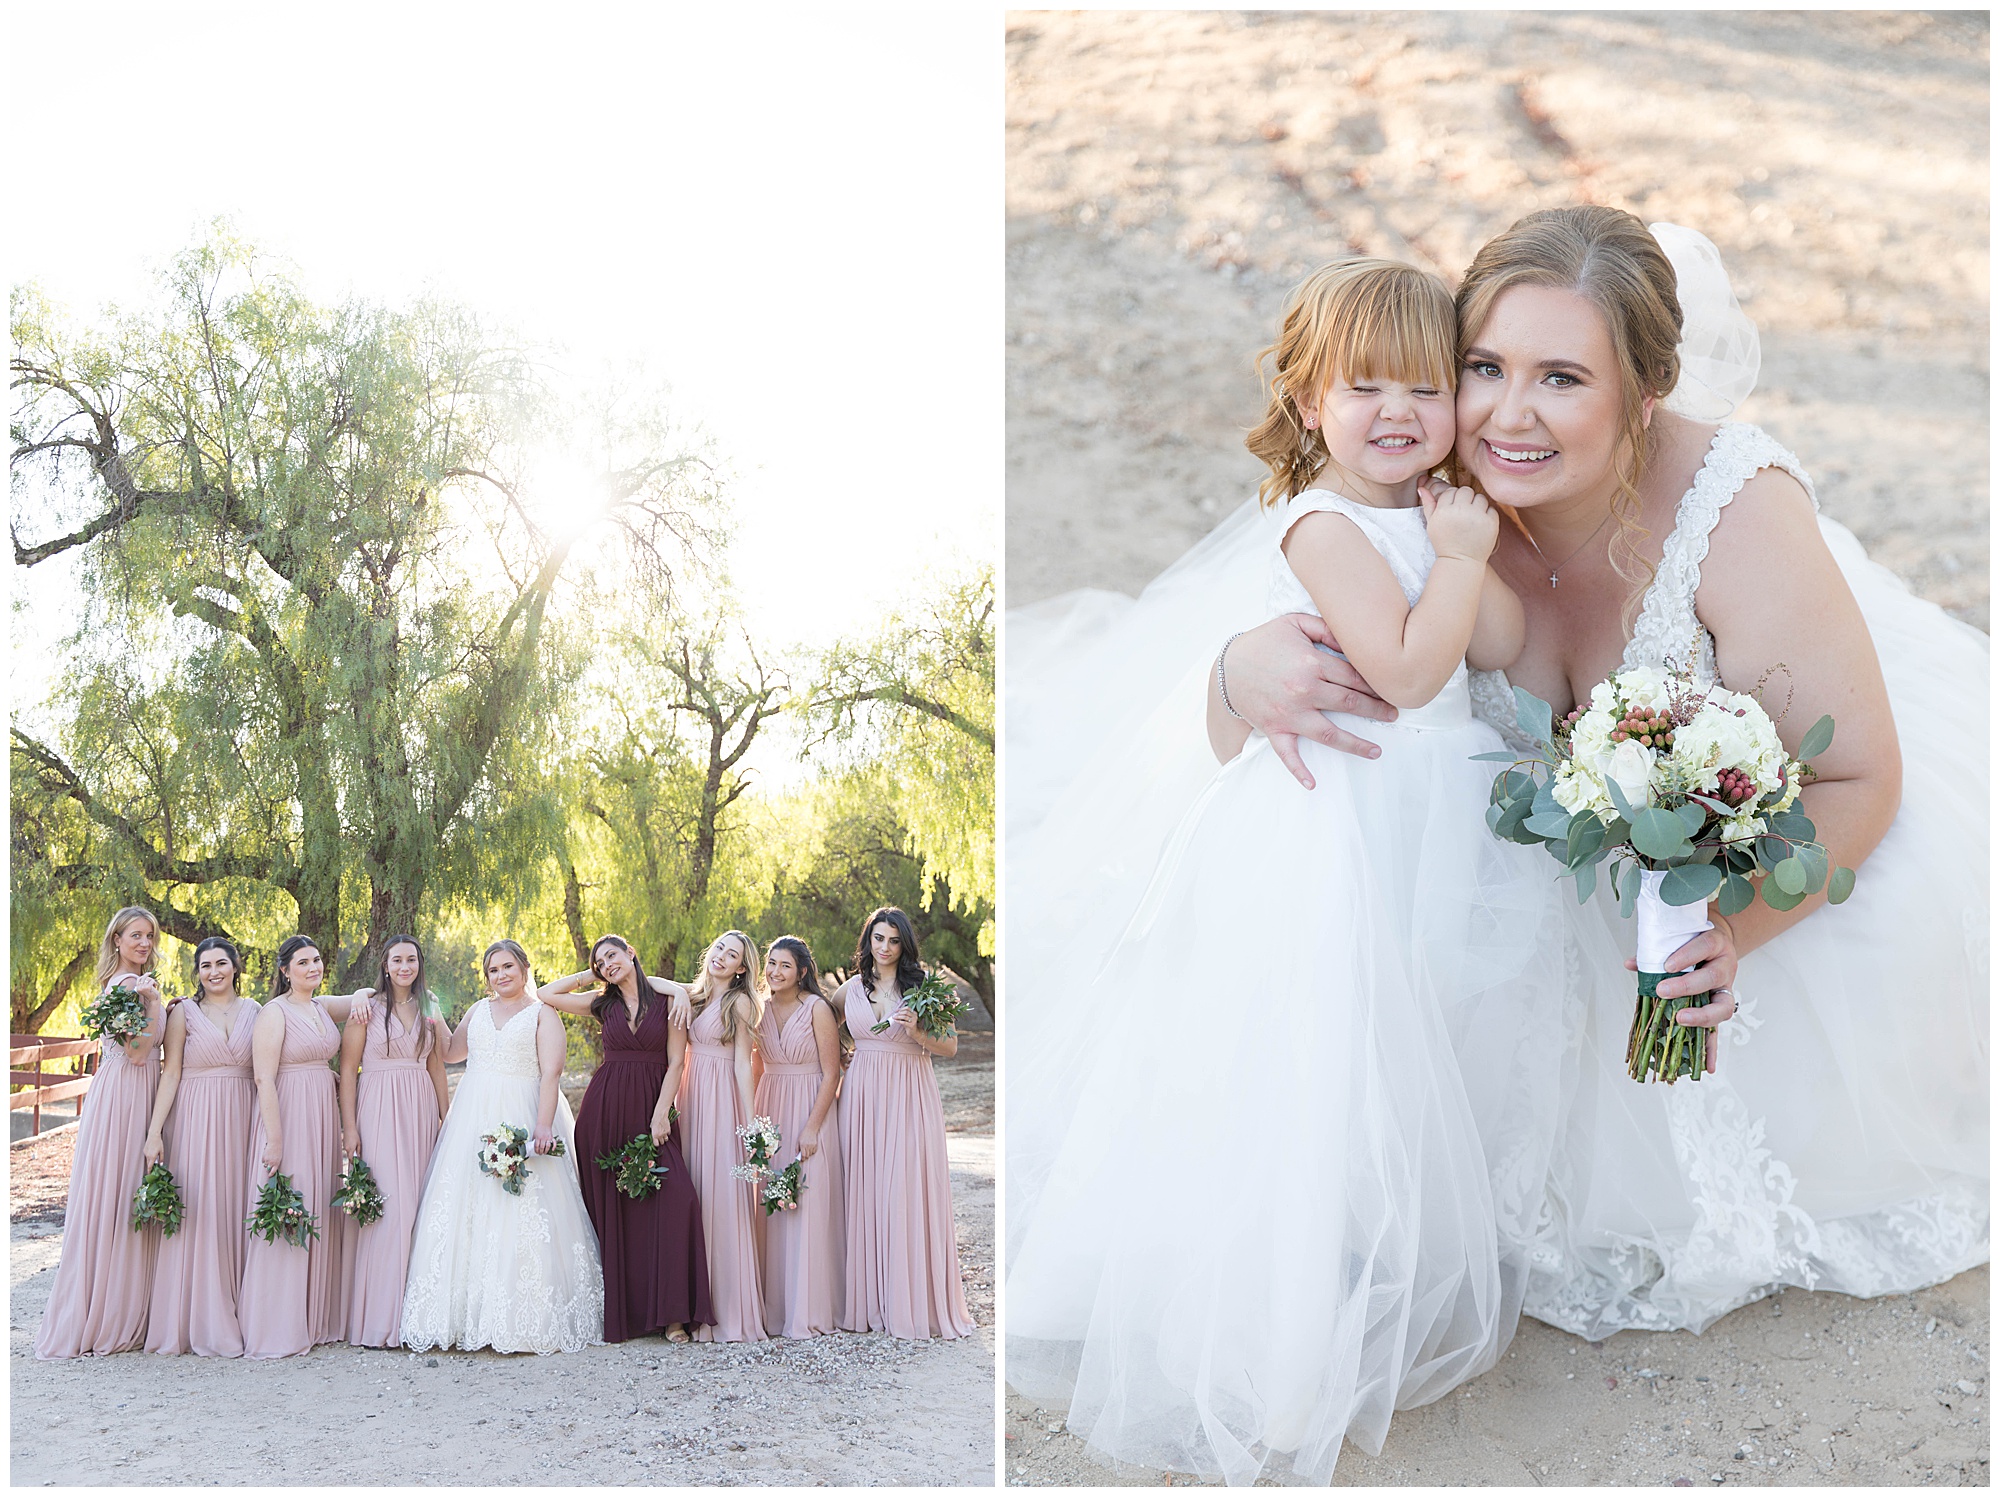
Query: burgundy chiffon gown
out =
(655, 1262)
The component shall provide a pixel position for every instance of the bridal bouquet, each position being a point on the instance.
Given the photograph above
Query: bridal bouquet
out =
(635, 1168)
(505, 1153)
(1689, 793)
(936, 1004)
(760, 1142)
(360, 1196)
(281, 1212)
(781, 1191)
(157, 1201)
(117, 1015)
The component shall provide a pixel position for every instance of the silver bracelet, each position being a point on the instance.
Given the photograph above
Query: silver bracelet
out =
(1222, 681)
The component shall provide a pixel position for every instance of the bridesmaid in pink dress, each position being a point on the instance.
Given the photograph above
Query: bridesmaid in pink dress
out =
(902, 1250)
(206, 1106)
(105, 1278)
(293, 1298)
(390, 1114)
(715, 1101)
(800, 1041)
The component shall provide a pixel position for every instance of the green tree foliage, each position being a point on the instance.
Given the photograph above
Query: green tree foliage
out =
(321, 560)
(916, 697)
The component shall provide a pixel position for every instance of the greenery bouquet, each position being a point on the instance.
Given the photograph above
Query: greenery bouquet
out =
(281, 1212)
(157, 1202)
(635, 1168)
(1688, 793)
(117, 1015)
(360, 1195)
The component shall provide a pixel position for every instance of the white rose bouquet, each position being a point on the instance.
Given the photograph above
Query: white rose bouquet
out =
(504, 1153)
(1688, 792)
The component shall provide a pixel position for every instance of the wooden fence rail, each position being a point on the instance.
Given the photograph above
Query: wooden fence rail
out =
(24, 1050)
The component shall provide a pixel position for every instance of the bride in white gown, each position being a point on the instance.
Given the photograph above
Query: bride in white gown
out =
(488, 1268)
(1842, 1143)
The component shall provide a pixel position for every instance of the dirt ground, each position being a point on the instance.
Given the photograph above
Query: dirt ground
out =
(833, 1411)
(1169, 177)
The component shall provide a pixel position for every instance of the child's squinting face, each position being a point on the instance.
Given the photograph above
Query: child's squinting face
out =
(1386, 431)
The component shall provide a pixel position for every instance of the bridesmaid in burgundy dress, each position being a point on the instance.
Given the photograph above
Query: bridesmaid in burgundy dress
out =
(715, 1101)
(392, 1100)
(294, 1298)
(800, 1041)
(105, 1277)
(902, 1249)
(655, 1262)
(201, 1125)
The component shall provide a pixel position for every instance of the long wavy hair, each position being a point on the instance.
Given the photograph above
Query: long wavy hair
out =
(1354, 319)
(420, 991)
(747, 982)
(802, 957)
(1611, 259)
(600, 1006)
(108, 962)
(227, 948)
(293, 945)
(909, 971)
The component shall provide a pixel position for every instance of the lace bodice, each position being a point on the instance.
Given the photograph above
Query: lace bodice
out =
(1667, 623)
(503, 1050)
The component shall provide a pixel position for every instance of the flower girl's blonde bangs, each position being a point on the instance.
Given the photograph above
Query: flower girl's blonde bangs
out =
(1354, 319)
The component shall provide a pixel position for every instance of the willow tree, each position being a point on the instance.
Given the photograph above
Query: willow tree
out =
(916, 698)
(318, 550)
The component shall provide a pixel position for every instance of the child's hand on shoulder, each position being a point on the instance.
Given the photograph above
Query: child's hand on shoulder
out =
(1460, 522)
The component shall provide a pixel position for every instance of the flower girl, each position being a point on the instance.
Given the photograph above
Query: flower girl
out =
(1297, 1185)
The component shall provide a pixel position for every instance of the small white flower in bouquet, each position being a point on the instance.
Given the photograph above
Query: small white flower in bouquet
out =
(1688, 791)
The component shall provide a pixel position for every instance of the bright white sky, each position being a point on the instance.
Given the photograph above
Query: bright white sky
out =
(792, 215)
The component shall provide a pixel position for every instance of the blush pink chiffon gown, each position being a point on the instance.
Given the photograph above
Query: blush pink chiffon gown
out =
(902, 1249)
(396, 1113)
(104, 1280)
(200, 1269)
(803, 1248)
(711, 1112)
(293, 1297)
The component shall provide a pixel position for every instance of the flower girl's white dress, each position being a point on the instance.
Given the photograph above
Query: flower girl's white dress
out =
(513, 1272)
(1285, 1104)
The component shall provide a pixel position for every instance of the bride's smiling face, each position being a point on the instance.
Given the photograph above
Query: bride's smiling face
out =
(505, 977)
(1539, 399)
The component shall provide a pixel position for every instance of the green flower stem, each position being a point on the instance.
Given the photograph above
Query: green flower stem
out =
(1660, 1049)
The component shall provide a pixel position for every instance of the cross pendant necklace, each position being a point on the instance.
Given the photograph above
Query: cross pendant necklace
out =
(1572, 555)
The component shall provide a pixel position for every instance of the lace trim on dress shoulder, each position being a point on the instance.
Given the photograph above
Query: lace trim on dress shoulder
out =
(1668, 625)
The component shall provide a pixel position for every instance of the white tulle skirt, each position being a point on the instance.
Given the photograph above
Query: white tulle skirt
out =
(1281, 1208)
(1842, 1143)
(516, 1273)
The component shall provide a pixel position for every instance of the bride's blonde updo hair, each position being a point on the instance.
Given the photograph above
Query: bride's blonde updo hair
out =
(1353, 319)
(1610, 258)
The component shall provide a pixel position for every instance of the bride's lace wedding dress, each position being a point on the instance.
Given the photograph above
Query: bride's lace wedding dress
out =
(1842, 1142)
(513, 1272)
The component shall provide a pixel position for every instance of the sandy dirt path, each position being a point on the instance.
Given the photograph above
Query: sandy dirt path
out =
(833, 1411)
(1171, 176)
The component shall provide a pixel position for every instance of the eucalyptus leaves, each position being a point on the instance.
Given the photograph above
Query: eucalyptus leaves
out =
(1660, 775)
